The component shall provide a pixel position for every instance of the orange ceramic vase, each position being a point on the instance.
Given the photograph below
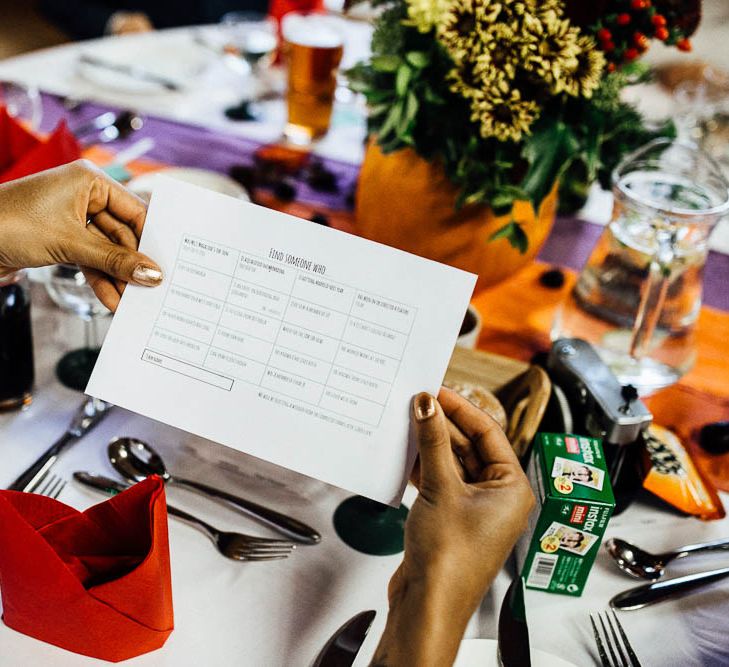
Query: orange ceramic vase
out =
(407, 202)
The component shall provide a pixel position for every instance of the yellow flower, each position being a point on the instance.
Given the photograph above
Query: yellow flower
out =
(504, 116)
(557, 51)
(585, 77)
(424, 15)
(459, 28)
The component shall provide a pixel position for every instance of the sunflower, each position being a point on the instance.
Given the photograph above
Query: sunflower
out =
(504, 116)
(472, 79)
(585, 77)
(459, 28)
(557, 51)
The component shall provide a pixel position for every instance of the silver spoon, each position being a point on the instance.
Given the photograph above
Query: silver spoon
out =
(643, 565)
(135, 460)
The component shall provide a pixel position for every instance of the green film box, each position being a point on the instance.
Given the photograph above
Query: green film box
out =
(574, 502)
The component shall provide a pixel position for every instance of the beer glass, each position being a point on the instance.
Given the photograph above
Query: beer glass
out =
(638, 297)
(313, 49)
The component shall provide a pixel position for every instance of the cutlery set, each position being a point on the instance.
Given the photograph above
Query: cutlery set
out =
(135, 460)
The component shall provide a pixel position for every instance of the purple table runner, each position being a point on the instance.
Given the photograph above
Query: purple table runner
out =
(184, 145)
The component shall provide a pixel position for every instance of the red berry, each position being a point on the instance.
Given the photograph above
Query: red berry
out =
(623, 19)
(640, 40)
(604, 35)
(659, 20)
(640, 4)
(630, 54)
(662, 34)
(684, 44)
(611, 67)
(608, 46)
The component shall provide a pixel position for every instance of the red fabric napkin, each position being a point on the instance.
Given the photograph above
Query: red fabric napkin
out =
(22, 153)
(94, 582)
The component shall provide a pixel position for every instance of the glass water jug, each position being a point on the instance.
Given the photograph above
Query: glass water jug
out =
(638, 296)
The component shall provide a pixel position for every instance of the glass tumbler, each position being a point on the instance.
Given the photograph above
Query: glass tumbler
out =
(638, 296)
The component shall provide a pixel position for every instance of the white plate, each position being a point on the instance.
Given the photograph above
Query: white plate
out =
(482, 653)
(160, 57)
(204, 178)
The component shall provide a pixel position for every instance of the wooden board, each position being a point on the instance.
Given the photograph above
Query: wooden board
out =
(522, 389)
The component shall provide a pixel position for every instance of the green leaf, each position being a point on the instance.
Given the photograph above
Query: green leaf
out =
(386, 63)
(514, 234)
(402, 79)
(392, 121)
(418, 59)
(411, 107)
(549, 151)
(378, 109)
(358, 85)
(432, 97)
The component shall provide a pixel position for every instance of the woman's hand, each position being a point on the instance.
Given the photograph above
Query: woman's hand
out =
(75, 214)
(458, 533)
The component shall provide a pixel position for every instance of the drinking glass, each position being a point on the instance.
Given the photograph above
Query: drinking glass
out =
(702, 114)
(638, 297)
(252, 36)
(22, 103)
(67, 286)
(313, 49)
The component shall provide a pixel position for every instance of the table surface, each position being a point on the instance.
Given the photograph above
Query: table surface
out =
(282, 613)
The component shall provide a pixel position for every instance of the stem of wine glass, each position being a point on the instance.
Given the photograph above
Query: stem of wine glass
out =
(91, 333)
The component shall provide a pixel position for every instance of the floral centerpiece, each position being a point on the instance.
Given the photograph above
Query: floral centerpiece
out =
(506, 98)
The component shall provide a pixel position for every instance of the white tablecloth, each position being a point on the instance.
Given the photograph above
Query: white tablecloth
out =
(282, 613)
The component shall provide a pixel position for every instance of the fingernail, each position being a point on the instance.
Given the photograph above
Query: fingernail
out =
(147, 276)
(424, 407)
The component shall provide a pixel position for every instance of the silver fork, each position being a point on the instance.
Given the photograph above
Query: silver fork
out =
(620, 651)
(238, 546)
(50, 485)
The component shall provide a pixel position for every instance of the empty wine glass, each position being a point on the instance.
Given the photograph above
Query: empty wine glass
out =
(68, 288)
(22, 102)
(252, 37)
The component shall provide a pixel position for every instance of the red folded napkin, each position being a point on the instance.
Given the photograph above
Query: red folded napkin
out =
(94, 582)
(22, 153)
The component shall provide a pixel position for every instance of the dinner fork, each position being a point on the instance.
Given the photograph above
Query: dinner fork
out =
(617, 642)
(236, 546)
(50, 485)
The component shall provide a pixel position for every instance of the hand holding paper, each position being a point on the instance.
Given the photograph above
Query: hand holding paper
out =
(295, 343)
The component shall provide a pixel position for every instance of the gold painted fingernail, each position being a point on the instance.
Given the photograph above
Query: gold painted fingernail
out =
(424, 407)
(147, 276)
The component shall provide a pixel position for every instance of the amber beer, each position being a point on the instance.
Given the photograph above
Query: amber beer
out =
(313, 50)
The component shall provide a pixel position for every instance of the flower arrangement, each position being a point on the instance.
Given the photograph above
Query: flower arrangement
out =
(514, 95)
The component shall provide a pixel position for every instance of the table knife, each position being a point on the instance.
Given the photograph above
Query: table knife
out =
(88, 415)
(132, 71)
(513, 638)
(641, 596)
(344, 644)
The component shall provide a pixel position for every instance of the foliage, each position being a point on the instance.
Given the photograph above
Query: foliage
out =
(503, 130)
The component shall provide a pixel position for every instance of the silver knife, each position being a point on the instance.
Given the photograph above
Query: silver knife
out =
(344, 644)
(88, 415)
(513, 638)
(641, 596)
(132, 71)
